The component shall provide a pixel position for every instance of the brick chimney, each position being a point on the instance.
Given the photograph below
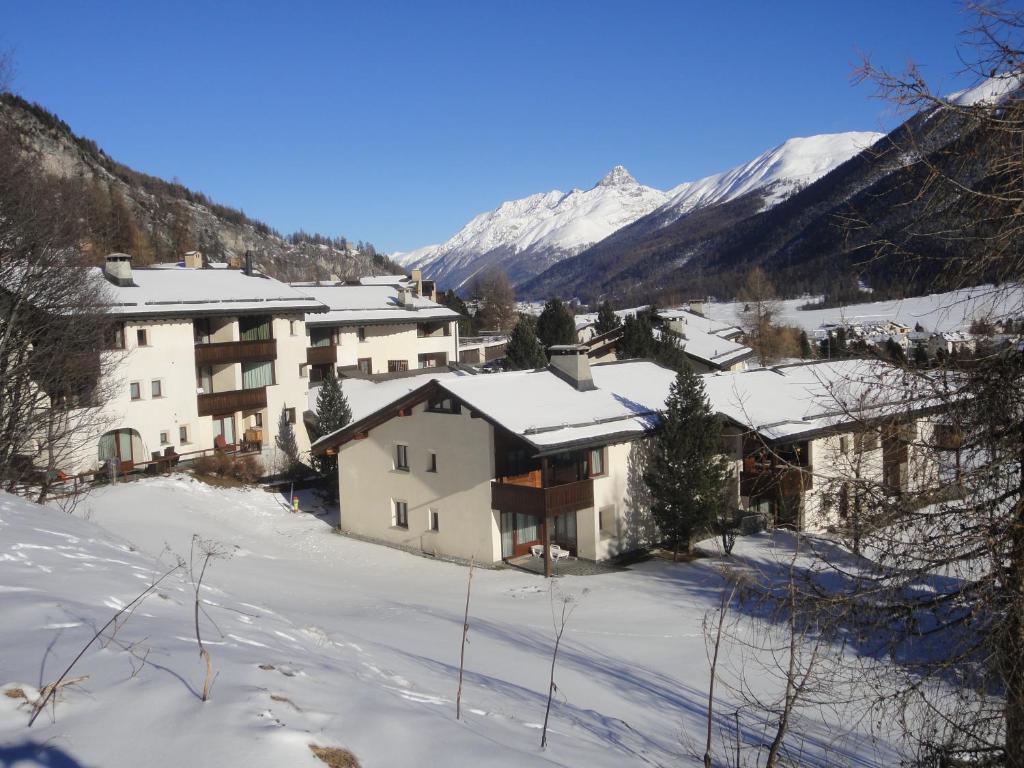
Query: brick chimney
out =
(118, 269)
(570, 363)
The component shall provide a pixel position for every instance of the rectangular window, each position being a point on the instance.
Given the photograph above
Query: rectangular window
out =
(607, 519)
(183, 434)
(255, 375)
(142, 337)
(258, 419)
(136, 390)
(254, 329)
(401, 517)
(366, 365)
(320, 337)
(156, 388)
(303, 370)
(291, 415)
(402, 457)
(596, 462)
(293, 327)
(165, 438)
(435, 520)
(397, 366)
(432, 462)
(361, 333)
(844, 444)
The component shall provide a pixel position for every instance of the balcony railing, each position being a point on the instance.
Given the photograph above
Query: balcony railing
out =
(322, 355)
(235, 352)
(555, 500)
(231, 401)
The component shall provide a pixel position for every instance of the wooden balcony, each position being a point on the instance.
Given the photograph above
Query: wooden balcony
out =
(235, 352)
(757, 480)
(322, 355)
(231, 401)
(554, 500)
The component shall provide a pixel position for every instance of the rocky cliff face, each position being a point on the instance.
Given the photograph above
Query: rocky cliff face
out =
(155, 220)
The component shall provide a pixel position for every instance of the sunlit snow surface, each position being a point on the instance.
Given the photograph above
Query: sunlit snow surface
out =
(318, 638)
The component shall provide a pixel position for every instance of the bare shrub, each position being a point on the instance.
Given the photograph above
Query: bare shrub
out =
(335, 757)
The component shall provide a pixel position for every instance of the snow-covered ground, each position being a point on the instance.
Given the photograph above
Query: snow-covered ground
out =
(319, 638)
(936, 312)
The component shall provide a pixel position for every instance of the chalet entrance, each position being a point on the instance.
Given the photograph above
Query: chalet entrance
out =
(123, 445)
(519, 532)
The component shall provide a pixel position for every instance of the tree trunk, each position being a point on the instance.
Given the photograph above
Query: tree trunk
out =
(1013, 647)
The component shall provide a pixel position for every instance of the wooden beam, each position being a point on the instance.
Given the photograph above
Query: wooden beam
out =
(547, 546)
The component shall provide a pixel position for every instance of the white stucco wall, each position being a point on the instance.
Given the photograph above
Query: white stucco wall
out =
(393, 342)
(169, 357)
(460, 490)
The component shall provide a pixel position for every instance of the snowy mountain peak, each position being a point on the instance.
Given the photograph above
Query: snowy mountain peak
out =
(616, 177)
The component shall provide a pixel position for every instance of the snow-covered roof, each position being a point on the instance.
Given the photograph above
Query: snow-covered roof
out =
(699, 322)
(788, 402)
(590, 318)
(366, 396)
(368, 304)
(394, 280)
(551, 414)
(794, 401)
(177, 290)
(714, 350)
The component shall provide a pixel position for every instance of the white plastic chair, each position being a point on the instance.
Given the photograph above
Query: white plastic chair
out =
(537, 550)
(557, 553)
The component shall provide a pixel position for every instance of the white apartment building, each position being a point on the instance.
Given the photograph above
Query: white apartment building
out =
(378, 329)
(201, 357)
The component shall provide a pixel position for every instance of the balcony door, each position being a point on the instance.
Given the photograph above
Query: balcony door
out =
(518, 533)
(224, 426)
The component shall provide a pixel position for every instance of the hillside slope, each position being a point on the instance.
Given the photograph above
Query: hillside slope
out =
(155, 220)
(320, 638)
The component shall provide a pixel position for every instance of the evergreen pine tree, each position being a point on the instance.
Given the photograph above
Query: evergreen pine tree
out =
(524, 351)
(687, 473)
(805, 346)
(637, 338)
(895, 352)
(285, 442)
(668, 351)
(920, 356)
(607, 320)
(556, 324)
(332, 413)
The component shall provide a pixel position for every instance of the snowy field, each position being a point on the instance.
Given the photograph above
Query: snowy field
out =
(940, 312)
(317, 638)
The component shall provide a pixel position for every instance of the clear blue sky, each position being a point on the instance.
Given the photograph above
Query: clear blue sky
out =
(397, 122)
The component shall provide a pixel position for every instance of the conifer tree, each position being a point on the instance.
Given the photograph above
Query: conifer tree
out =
(687, 473)
(607, 320)
(332, 413)
(805, 346)
(285, 442)
(637, 338)
(524, 351)
(556, 324)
